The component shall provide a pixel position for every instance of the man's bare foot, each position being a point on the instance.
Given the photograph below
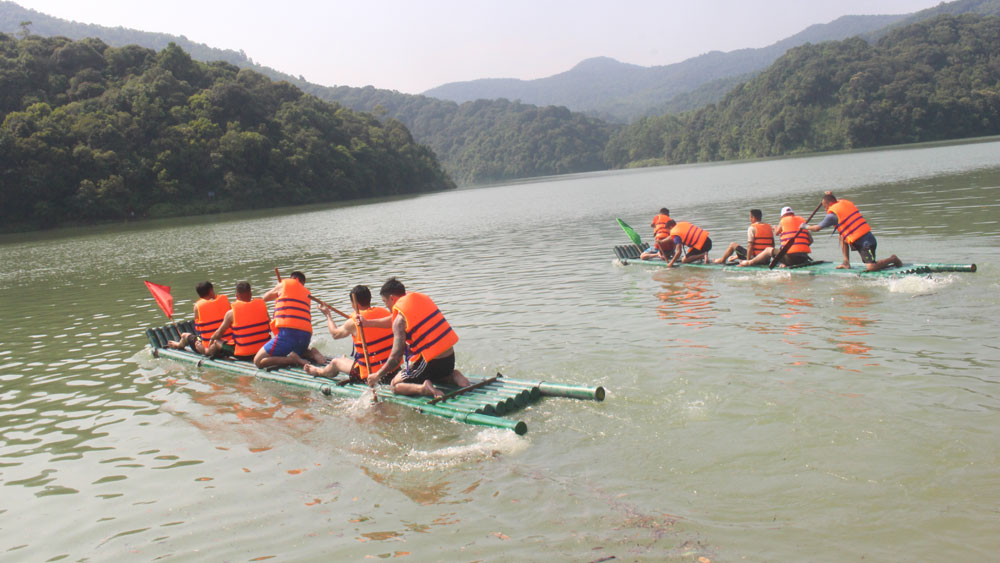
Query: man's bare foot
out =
(718, 261)
(896, 261)
(431, 391)
(744, 263)
(312, 370)
(844, 266)
(297, 359)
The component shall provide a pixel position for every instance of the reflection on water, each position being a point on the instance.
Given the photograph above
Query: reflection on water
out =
(685, 299)
(851, 337)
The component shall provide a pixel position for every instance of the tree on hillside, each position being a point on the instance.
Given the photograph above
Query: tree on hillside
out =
(97, 133)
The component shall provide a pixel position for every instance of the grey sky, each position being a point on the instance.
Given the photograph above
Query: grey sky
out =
(414, 45)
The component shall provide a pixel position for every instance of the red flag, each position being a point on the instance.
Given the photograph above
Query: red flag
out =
(163, 298)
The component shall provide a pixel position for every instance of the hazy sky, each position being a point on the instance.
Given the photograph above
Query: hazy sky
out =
(414, 45)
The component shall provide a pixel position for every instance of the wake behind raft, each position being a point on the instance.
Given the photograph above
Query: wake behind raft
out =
(628, 254)
(484, 402)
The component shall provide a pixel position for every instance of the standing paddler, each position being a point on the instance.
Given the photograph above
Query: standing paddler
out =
(419, 328)
(855, 233)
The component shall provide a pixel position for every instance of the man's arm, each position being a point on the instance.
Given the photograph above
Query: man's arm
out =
(337, 332)
(227, 322)
(829, 221)
(272, 293)
(398, 342)
(678, 249)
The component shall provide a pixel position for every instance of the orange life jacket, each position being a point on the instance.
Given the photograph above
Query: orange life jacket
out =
(251, 326)
(208, 315)
(789, 229)
(660, 230)
(763, 237)
(850, 224)
(691, 236)
(428, 334)
(292, 308)
(377, 340)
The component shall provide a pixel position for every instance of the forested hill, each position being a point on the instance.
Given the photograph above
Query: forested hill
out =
(475, 142)
(932, 80)
(91, 133)
(489, 140)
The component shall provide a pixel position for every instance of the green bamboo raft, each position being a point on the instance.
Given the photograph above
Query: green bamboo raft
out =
(628, 254)
(484, 402)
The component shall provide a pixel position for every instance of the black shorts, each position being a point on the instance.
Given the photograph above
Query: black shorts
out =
(704, 248)
(865, 245)
(795, 258)
(740, 253)
(434, 370)
(355, 374)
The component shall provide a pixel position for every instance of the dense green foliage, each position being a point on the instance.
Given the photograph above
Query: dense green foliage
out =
(937, 79)
(489, 141)
(475, 142)
(91, 132)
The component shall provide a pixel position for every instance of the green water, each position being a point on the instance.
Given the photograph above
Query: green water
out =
(756, 417)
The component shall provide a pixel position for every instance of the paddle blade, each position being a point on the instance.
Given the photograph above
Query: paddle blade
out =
(634, 236)
(161, 293)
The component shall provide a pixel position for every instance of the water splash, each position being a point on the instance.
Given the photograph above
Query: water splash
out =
(918, 285)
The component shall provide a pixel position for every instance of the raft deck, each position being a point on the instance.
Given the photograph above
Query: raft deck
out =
(485, 402)
(628, 254)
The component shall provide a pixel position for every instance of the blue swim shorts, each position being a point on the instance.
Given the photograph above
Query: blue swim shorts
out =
(287, 341)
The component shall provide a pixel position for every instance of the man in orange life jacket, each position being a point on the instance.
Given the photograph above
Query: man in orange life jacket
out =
(759, 236)
(248, 323)
(378, 341)
(854, 233)
(694, 238)
(419, 327)
(293, 320)
(209, 311)
(788, 233)
(664, 244)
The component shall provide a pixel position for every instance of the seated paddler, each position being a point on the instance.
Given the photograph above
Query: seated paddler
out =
(792, 235)
(760, 236)
(421, 334)
(293, 323)
(209, 311)
(247, 322)
(371, 347)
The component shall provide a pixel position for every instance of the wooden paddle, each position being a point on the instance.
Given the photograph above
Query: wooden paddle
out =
(784, 248)
(364, 345)
(318, 300)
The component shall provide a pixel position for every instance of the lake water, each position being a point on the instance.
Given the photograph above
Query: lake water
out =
(758, 417)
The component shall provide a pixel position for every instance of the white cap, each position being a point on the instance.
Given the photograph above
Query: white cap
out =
(786, 210)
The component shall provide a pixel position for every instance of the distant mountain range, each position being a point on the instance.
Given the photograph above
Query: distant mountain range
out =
(620, 92)
(495, 139)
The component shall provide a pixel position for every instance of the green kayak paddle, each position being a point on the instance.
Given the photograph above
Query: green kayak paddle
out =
(630, 232)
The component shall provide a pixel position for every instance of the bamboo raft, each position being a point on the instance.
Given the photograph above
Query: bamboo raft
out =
(628, 254)
(484, 402)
